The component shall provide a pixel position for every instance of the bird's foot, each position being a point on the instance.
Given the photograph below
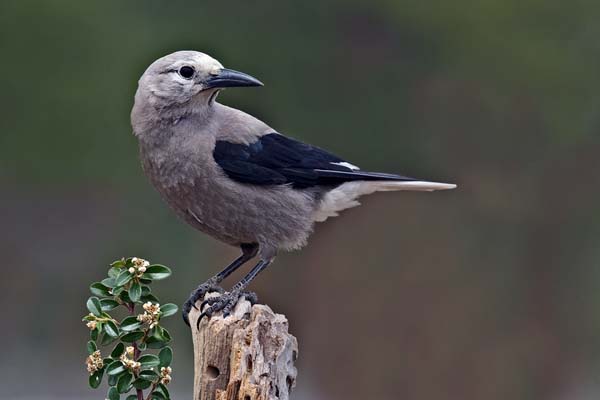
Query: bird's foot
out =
(197, 294)
(226, 303)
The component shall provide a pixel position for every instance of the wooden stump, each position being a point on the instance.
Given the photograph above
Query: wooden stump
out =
(247, 356)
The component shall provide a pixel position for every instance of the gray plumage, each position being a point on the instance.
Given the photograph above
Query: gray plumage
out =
(178, 123)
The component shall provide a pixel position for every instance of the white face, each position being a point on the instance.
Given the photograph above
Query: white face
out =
(179, 76)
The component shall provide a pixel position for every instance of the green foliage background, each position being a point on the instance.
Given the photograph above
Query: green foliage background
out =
(490, 291)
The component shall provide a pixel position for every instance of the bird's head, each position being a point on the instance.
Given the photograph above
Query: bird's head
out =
(181, 76)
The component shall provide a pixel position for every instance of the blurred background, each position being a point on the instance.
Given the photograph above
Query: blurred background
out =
(487, 292)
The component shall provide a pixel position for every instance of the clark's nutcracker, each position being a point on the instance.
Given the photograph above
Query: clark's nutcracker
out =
(234, 177)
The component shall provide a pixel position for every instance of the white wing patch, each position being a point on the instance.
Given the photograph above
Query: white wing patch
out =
(346, 164)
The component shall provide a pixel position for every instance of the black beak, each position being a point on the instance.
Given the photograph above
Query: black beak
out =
(231, 78)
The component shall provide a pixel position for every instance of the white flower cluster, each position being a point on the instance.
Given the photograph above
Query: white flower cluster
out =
(128, 361)
(92, 323)
(139, 266)
(150, 315)
(165, 375)
(94, 362)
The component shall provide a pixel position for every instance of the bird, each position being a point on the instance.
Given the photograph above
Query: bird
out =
(232, 176)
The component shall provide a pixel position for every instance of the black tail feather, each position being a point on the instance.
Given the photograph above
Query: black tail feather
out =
(346, 176)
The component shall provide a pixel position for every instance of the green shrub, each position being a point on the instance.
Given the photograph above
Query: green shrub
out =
(129, 363)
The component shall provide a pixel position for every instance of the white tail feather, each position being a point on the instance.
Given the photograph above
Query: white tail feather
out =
(423, 186)
(346, 195)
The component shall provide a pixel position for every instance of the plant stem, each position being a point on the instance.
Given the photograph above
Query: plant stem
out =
(136, 352)
(151, 390)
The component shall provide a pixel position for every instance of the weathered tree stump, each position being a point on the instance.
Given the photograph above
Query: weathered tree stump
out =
(247, 356)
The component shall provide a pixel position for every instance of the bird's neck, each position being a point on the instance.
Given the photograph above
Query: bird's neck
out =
(152, 115)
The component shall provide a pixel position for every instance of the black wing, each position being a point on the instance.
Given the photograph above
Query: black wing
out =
(277, 160)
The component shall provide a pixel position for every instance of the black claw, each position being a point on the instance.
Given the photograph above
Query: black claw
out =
(210, 301)
(204, 313)
(197, 294)
(208, 312)
(185, 311)
(225, 303)
(205, 302)
(227, 310)
(251, 297)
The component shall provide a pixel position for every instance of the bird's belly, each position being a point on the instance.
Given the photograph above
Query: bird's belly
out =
(276, 217)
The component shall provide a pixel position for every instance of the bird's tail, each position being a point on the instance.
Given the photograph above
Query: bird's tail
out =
(421, 186)
(346, 195)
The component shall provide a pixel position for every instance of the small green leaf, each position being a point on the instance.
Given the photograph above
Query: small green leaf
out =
(113, 394)
(166, 336)
(123, 278)
(141, 383)
(108, 282)
(107, 339)
(94, 333)
(113, 272)
(111, 328)
(99, 289)
(118, 351)
(142, 346)
(149, 297)
(130, 324)
(148, 374)
(153, 343)
(118, 264)
(132, 336)
(135, 292)
(159, 339)
(131, 397)
(112, 379)
(91, 347)
(123, 295)
(163, 390)
(93, 304)
(96, 378)
(114, 368)
(116, 291)
(157, 272)
(168, 309)
(108, 304)
(149, 361)
(156, 396)
(165, 356)
(124, 382)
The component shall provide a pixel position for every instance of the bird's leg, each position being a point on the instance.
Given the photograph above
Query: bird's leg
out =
(228, 300)
(212, 285)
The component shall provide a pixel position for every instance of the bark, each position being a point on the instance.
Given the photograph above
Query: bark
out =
(247, 356)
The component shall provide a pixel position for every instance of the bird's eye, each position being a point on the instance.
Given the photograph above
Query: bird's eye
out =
(186, 72)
